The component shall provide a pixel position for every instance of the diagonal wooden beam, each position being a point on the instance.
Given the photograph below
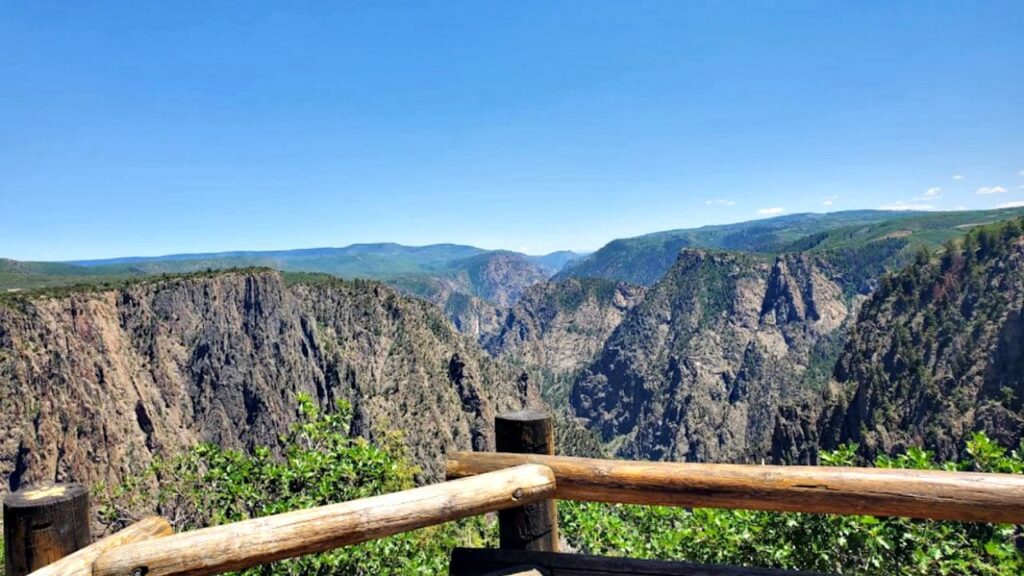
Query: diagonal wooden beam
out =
(261, 540)
(80, 563)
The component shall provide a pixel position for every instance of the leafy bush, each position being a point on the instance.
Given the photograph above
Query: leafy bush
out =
(321, 464)
(844, 544)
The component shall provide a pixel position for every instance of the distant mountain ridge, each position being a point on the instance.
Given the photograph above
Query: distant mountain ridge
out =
(422, 254)
(434, 271)
(645, 259)
(384, 258)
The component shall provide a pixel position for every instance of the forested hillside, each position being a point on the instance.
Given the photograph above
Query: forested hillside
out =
(937, 353)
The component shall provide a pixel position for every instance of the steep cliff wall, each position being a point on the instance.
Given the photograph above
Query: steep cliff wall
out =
(94, 383)
(558, 328)
(700, 369)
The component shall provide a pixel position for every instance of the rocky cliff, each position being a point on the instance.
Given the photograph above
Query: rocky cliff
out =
(475, 292)
(557, 328)
(94, 383)
(937, 352)
(699, 370)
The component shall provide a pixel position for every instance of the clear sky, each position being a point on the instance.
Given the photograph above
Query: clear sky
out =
(144, 128)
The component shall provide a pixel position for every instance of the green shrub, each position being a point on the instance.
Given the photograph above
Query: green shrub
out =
(321, 464)
(828, 543)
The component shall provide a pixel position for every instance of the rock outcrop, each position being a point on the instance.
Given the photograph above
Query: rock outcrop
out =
(701, 368)
(557, 328)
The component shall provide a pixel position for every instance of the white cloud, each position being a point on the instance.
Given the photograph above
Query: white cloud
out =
(990, 190)
(958, 176)
(930, 194)
(1020, 172)
(829, 200)
(719, 202)
(1014, 204)
(901, 205)
(774, 211)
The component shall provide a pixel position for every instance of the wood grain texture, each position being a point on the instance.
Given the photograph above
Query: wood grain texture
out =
(480, 561)
(532, 526)
(261, 540)
(43, 524)
(80, 563)
(938, 495)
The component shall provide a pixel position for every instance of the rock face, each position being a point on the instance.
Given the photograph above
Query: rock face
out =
(557, 328)
(474, 292)
(937, 353)
(699, 370)
(501, 277)
(94, 384)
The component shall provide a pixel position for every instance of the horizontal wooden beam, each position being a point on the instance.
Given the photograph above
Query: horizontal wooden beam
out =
(938, 495)
(80, 563)
(261, 540)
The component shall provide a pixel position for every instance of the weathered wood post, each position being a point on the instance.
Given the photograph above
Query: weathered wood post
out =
(43, 524)
(533, 526)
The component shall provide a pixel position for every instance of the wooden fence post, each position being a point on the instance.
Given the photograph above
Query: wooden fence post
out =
(44, 524)
(533, 526)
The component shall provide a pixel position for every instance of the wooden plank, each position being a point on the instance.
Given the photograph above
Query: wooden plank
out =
(261, 540)
(533, 526)
(80, 563)
(43, 524)
(938, 495)
(480, 561)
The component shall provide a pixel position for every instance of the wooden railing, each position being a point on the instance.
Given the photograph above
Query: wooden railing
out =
(930, 494)
(522, 483)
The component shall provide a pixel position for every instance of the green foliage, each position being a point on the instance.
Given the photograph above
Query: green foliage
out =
(320, 465)
(844, 544)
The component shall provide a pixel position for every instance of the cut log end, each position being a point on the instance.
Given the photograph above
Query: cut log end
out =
(43, 524)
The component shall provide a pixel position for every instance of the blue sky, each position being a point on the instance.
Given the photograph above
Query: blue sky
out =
(131, 128)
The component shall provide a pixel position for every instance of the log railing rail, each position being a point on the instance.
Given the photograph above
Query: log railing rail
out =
(930, 494)
(248, 543)
(527, 483)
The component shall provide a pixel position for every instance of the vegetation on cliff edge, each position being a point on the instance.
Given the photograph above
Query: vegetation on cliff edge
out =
(322, 464)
